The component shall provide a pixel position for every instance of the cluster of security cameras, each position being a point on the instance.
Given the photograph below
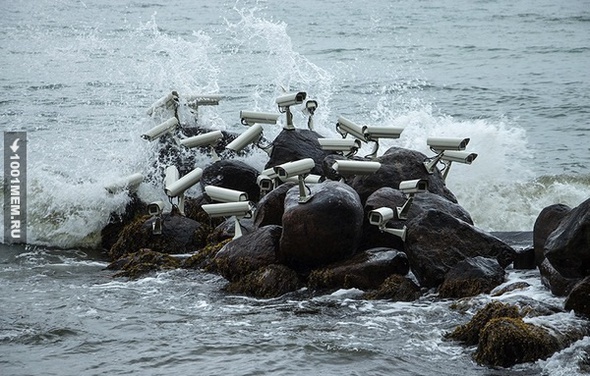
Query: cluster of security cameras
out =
(448, 150)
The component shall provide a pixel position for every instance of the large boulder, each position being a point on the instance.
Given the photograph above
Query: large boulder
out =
(295, 144)
(579, 298)
(470, 277)
(248, 253)
(397, 165)
(555, 281)
(232, 174)
(568, 246)
(437, 241)
(325, 229)
(179, 235)
(545, 224)
(366, 270)
(270, 208)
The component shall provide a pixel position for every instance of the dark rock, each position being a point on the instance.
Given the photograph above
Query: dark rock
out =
(232, 174)
(324, 230)
(546, 223)
(469, 333)
(179, 235)
(436, 242)
(524, 259)
(509, 288)
(292, 145)
(397, 165)
(136, 264)
(248, 253)
(270, 281)
(552, 279)
(579, 298)
(507, 341)
(392, 198)
(365, 270)
(327, 164)
(117, 221)
(396, 288)
(227, 229)
(568, 246)
(271, 207)
(204, 257)
(471, 277)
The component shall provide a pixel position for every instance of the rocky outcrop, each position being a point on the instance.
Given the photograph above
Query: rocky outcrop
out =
(396, 288)
(137, 264)
(295, 144)
(323, 230)
(578, 299)
(267, 282)
(232, 174)
(552, 279)
(545, 224)
(471, 277)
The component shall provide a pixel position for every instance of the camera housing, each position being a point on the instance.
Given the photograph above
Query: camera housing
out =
(205, 139)
(349, 145)
(295, 168)
(169, 101)
(221, 194)
(156, 208)
(130, 183)
(413, 186)
(159, 130)
(291, 99)
(379, 217)
(373, 133)
(179, 186)
(253, 117)
(265, 183)
(349, 168)
(196, 100)
(228, 209)
(458, 156)
(251, 135)
(439, 144)
(346, 127)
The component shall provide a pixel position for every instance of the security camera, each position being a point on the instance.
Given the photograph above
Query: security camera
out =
(413, 186)
(179, 186)
(349, 168)
(379, 217)
(160, 130)
(167, 101)
(439, 144)
(295, 168)
(291, 99)
(205, 139)
(251, 135)
(156, 208)
(374, 133)
(130, 183)
(458, 156)
(221, 194)
(228, 209)
(196, 100)
(270, 172)
(265, 183)
(309, 179)
(252, 117)
(310, 106)
(340, 144)
(345, 127)
(171, 175)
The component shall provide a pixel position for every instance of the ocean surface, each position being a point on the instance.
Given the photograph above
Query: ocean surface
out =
(78, 77)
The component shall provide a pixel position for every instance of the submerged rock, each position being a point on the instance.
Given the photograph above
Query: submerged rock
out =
(471, 277)
(136, 264)
(397, 288)
(270, 281)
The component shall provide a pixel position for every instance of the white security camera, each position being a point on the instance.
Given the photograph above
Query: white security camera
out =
(228, 209)
(160, 130)
(270, 172)
(221, 194)
(349, 168)
(251, 135)
(310, 106)
(340, 144)
(156, 208)
(458, 156)
(345, 127)
(168, 101)
(196, 100)
(374, 133)
(205, 139)
(178, 187)
(265, 183)
(291, 99)
(413, 186)
(130, 183)
(171, 175)
(379, 217)
(252, 117)
(438, 144)
(309, 179)
(295, 168)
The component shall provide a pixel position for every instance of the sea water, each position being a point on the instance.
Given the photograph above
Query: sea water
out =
(78, 76)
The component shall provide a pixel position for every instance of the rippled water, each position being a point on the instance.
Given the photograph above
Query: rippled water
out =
(78, 77)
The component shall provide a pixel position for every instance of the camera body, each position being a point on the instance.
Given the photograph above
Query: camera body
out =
(253, 117)
(252, 134)
(161, 129)
(295, 168)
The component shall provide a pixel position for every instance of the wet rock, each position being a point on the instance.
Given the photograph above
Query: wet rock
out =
(524, 259)
(545, 224)
(521, 285)
(578, 299)
(117, 221)
(507, 341)
(366, 270)
(271, 207)
(179, 235)
(396, 288)
(471, 277)
(227, 229)
(292, 145)
(248, 253)
(436, 242)
(568, 246)
(136, 264)
(232, 174)
(270, 281)
(323, 230)
(552, 279)
(203, 258)
(397, 165)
